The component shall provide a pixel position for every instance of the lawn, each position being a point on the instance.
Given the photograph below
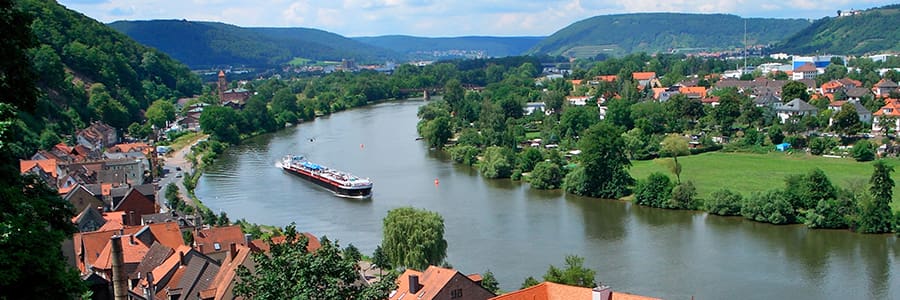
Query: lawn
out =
(746, 173)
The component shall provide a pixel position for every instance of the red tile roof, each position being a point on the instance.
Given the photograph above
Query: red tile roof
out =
(891, 108)
(431, 281)
(223, 236)
(806, 68)
(133, 251)
(699, 90)
(556, 291)
(227, 273)
(131, 147)
(47, 165)
(643, 75)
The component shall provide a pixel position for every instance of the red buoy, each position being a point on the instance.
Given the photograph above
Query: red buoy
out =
(436, 181)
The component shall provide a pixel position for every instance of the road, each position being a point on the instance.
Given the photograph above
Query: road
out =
(174, 160)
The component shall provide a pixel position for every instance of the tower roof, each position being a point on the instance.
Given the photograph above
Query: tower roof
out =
(221, 73)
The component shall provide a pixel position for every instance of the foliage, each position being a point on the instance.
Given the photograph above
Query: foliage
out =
(863, 150)
(875, 30)
(497, 162)
(160, 112)
(768, 207)
(875, 211)
(603, 165)
(818, 145)
(661, 32)
(574, 273)
(489, 282)
(724, 202)
(380, 259)
(221, 123)
(529, 282)
(776, 135)
(655, 191)
(847, 121)
(464, 154)
(216, 44)
(794, 90)
(414, 238)
(547, 175)
(675, 145)
(832, 213)
(683, 196)
(290, 271)
(529, 158)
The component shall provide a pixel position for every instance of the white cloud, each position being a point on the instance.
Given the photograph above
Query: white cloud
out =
(440, 18)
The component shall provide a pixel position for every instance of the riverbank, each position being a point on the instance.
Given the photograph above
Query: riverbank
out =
(746, 173)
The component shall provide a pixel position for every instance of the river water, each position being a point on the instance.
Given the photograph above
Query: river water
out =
(515, 231)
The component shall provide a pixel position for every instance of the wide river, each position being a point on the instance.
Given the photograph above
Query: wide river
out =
(515, 231)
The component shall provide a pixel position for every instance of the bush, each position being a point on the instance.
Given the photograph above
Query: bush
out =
(546, 176)
(769, 207)
(464, 154)
(497, 162)
(683, 196)
(724, 202)
(653, 191)
(863, 150)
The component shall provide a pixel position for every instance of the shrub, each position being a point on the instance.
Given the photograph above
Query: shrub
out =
(653, 191)
(724, 202)
(546, 176)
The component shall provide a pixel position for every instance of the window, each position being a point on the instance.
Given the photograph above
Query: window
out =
(457, 293)
(217, 246)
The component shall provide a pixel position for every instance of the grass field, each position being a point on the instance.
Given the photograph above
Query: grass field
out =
(747, 173)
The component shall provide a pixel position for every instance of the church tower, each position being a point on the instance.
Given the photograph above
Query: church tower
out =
(222, 85)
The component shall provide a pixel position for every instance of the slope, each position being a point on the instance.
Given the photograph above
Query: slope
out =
(659, 32)
(424, 47)
(210, 44)
(873, 30)
(87, 71)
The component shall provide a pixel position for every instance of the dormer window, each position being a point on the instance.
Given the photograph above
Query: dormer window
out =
(217, 246)
(887, 110)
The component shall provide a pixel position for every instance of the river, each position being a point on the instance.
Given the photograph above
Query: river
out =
(515, 231)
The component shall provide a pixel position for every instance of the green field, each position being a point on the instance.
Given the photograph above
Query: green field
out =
(746, 173)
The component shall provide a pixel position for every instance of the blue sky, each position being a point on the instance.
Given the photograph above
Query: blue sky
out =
(440, 17)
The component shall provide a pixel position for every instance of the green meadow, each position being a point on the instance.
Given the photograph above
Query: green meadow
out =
(747, 173)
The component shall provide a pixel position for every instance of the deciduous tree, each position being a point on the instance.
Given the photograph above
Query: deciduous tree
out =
(875, 212)
(414, 238)
(603, 165)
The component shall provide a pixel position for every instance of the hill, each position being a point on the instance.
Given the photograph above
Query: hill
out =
(873, 30)
(453, 47)
(210, 44)
(662, 32)
(87, 71)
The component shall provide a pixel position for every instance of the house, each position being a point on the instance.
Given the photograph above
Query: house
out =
(439, 283)
(711, 101)
(693, 92)
(222, 286)
(795, 108)
(97, 136)
(46, 169)
(887, 114)
(135, 204)
(89, 219)
(214, 241)
(187, 223)
(857, 93)
(884, 87)
(768, 101)
(840, 84)
(865, 115)
(184, 274)
(124, 171)
(555, 291)
(81, 197)
(531, 107)
(805, 71)
(645, 79)
(578, 100)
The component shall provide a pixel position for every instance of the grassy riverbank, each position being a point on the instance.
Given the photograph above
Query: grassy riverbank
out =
(747, 173)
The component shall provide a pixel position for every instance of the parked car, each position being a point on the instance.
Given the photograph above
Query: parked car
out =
(177, 168)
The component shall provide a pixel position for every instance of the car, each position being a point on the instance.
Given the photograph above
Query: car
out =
(177, 168)
(178, 176)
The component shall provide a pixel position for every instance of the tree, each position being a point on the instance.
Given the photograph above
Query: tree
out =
(863, 150)
(793, 90)
(769, 207)
(290, 271)
(728, 110)
(603, 169)
(160, 112)
(776, 135)
(529, 158)
(489, 282)
(497, 162)
(221, 123)
(529, 282)
(414, 238)
(683, 196)
(546, 176)
(437, 132)
(454, 94)
(574, 274)
(875, 212)
(34, 220)
(654, 191)
(380, 259)
(675, 145)
(846, 121)
(724, 202)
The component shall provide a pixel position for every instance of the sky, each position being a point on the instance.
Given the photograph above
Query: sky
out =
(440, 17)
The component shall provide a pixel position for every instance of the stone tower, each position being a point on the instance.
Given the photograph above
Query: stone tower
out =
(223, 84)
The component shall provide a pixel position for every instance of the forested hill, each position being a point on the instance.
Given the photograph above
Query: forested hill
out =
(424, 47)
(873, 30)
(87, 71)
(210, 44)
(658, 32)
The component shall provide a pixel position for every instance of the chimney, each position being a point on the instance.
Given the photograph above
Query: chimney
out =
(247, 238)
(200, 248)
(124, 219)
(119, 278)
(131, 239)
(151, 286)
(601, 292)
(413, 284)
(181, 258)
(131, 218)
(232, 250)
